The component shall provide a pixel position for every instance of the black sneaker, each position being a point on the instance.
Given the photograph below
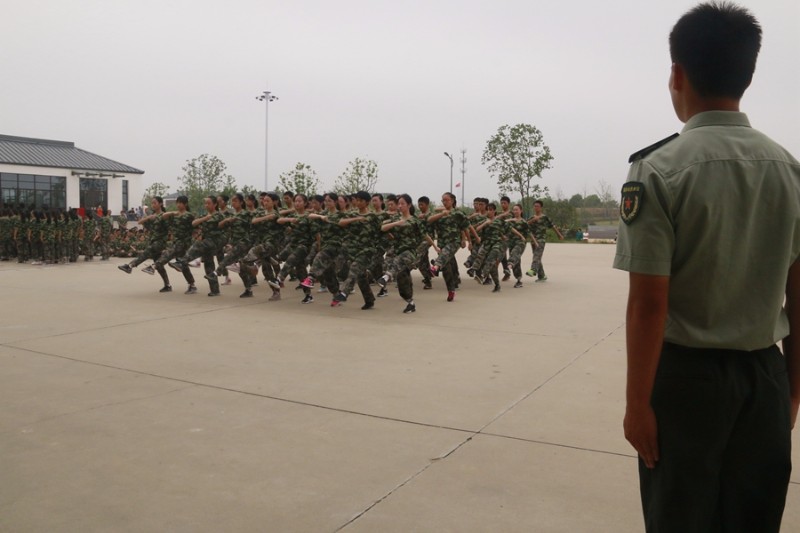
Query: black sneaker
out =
(191, 290)
(427, 285)
(308, 299)
(488, 281)
(125, 268)
(166, 288)
(518, 284)
(213, 293)
(506, 275)
(368, 305)
(340, 297)
(496, 288)
(149, 270)
(246, 294)
(383, 292)
(410, 308)
(177, 265)
(382, 281)
(471, 272)
(211, 276)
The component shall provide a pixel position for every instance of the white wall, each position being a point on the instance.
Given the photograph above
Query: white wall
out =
(73, 185)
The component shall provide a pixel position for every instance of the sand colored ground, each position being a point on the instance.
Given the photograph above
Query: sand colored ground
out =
(128, 410)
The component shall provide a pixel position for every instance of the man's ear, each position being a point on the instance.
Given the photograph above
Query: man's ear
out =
(677, 78)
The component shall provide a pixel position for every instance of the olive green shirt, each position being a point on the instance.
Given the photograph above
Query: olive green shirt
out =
(719, 215)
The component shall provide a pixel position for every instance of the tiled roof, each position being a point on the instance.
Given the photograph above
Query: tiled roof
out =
(55, 154)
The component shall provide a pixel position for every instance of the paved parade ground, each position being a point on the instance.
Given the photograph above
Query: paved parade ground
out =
(128, 410)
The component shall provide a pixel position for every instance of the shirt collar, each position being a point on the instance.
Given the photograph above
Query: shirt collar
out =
(716, 118)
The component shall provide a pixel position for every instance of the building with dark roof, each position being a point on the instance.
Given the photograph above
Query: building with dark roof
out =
(45, 173)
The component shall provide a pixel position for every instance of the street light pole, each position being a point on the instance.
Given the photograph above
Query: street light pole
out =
(266, 97)
(450, 157)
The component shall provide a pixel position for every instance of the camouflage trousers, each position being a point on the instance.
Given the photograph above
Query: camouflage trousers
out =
(88, 249)
(494, 254)
(424, 261)
(448, 252)
(103, 245)
(515, 258)
(207, 250)
(536, 263)
(173, 251)
(238, 252)
(357, 273)
(263, 252)
(23, 250)
(49, 251)
(153, 251)
(327, 263)
(295, 262)
(399, 267)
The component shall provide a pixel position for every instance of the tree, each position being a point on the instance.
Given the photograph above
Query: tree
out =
(156, 189)
(576, 200)
(300, 180)
(607, 199)
(515, 156)
(360, 175)
(249, 189)
(562, 213)
(203, 176)
(592, 201)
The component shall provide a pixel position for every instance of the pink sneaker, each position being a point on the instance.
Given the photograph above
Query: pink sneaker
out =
(308, 282)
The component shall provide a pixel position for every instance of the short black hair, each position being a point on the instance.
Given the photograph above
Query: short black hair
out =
(717, 44)
(424, 200)
(505, 199)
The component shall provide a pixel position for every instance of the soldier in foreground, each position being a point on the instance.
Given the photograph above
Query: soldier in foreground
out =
(711, 400)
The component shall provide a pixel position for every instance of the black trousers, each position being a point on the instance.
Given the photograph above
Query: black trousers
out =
(724, 442)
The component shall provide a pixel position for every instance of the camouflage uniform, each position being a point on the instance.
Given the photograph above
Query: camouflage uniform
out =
(159, 235)
(240, 238)
(122, 221)
(383, 246)
(35, 239)
(104, 225)
(406, 242)
(268, 236)
(423, 258)
(48, 240)
(539, 229)
(493, 249)
(23, 243)
(449, 232)
(328, 260)
(181, 228)
(87, 237)
(303, 237)
(360, 246)
(6, 237)
(206, 248)
(475, 220)
(517, 246)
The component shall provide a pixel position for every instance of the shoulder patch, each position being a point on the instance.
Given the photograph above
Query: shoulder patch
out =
(650, 149)
(632, 200)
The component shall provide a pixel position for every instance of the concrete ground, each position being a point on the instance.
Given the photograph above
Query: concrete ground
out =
(128, 410)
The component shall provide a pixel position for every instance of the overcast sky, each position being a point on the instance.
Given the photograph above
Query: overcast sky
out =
(154, 83)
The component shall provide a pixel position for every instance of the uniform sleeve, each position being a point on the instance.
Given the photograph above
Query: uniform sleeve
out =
(646, 244)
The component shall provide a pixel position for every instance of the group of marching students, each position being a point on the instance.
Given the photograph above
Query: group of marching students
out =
(52, 236)
(337, 242)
